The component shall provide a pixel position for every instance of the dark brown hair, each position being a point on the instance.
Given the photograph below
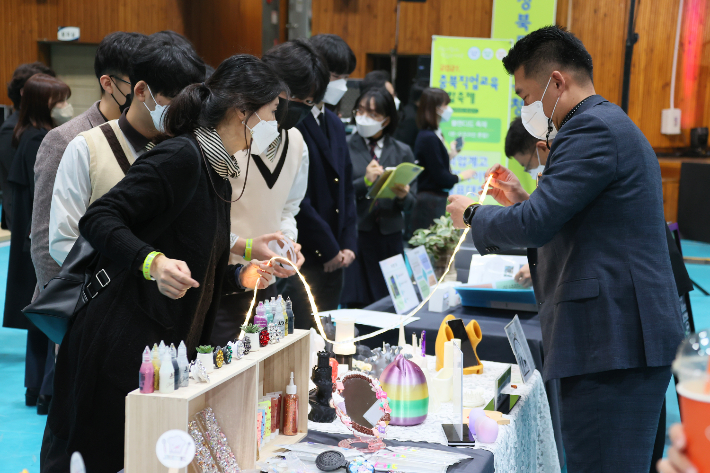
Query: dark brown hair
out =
(39, 96)
(20, 76)
(431, 99)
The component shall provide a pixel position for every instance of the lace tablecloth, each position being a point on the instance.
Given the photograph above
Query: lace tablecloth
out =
(527, 444)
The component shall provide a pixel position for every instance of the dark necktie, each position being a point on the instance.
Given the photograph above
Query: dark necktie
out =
(321, 119)
(373, 145)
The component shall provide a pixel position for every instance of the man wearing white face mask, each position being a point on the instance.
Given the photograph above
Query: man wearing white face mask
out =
(96, 160)
(598, 255)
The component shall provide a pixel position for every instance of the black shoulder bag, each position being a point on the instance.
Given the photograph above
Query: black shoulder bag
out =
(80, 278)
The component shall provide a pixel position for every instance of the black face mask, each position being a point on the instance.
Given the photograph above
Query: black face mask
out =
(127, 103)
(290, 113)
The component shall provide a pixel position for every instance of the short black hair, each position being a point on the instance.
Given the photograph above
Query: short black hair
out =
(175, 37)
(549, 47)
(375, 79)
(302, 68)
(113, 56)
(415, 92)
(20, 76)
(338, 55)
(518, 140)
(384, 105)
(167, 66)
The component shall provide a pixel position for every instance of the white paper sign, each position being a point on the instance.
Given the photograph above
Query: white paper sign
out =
(175, 449)
(400, 287)
(495, 271)
(422, 269)
(520, 347)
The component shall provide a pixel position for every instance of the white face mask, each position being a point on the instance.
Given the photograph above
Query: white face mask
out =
(537, 170)
(62, 115)
(335, 91)
(263, 134)
(446, 114)
(397, 102)
(158, 115)
(535, 121)
(367, 126)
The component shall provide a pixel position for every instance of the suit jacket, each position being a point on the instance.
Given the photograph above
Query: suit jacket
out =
(430, 152)
(597, 248)
(327, 218)
(388, 213)
(6, 154)
(48, 158)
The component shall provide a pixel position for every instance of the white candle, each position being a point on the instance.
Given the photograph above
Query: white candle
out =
(344, 330)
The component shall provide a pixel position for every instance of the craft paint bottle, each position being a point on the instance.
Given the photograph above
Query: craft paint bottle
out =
(268, 314)
(282, 307)
(280, 322)
(260, 317)
(274, 308)
(291, 409)
(145, 375)
(161, 350)
(156, 366)
(167, 375)
(183, 365)
(176, 367)
(289, 312)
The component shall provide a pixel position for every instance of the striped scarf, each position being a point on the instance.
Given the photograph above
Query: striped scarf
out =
(221, 161)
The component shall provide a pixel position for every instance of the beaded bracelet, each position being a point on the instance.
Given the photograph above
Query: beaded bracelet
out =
(247, 250)
(148, 263)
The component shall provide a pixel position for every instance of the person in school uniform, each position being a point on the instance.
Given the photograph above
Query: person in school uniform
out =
(96, 160)
(328, 213)
(372, 149)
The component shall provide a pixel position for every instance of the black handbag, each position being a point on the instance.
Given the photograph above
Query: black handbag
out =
(85, 273)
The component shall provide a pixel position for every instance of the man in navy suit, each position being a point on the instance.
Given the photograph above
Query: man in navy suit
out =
(598, 255)
(328, 216)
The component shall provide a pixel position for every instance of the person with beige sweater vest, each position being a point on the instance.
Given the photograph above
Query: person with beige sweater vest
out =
(97, 159)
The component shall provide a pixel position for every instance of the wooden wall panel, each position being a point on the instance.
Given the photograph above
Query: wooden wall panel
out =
(222, 28)
(24, 22)
(369, 26)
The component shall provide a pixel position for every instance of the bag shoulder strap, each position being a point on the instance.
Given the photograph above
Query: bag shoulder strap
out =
(116, 147)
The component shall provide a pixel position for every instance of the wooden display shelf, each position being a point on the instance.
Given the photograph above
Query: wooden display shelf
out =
(233, 394)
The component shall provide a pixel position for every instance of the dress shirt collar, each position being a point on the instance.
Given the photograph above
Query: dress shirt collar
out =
(221, 161)
(317, 112)
(136, 140)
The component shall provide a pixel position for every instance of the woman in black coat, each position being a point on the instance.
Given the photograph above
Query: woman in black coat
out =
(44, 106)
(100, 356)
(372, 149)
(430, 151)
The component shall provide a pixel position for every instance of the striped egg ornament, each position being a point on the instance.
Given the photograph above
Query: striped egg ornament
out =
(407, 391)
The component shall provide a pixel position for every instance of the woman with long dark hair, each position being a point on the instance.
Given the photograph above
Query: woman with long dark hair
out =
(184, 177)
(430, 151)
(372, 149)
(44, 106)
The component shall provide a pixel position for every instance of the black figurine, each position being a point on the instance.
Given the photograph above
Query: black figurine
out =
(320, 400)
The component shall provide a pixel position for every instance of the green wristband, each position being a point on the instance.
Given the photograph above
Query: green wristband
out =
(148, 263)
(367, 181)
(247, 250)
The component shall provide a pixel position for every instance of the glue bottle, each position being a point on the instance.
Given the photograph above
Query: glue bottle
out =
(167, 375)
(279, 321)
(282, 307)
(260, 317)
(289, 313)
(145, 375)
(176, 366)
(291, 409)
(156, 366)
(183, 365)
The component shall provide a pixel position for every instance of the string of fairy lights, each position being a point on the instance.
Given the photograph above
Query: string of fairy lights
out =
(404, 320)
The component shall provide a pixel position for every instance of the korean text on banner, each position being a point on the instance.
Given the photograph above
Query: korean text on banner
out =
(471, 71)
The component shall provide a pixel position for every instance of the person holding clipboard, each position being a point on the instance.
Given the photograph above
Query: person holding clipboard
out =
(380, 220)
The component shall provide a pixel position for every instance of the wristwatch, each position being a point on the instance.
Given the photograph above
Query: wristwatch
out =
(469, 212)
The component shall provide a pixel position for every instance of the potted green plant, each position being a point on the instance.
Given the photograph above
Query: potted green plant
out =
(251, 331)
(204, 354)
(439, 241)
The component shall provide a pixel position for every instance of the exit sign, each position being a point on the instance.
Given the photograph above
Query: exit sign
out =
(68, 33)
